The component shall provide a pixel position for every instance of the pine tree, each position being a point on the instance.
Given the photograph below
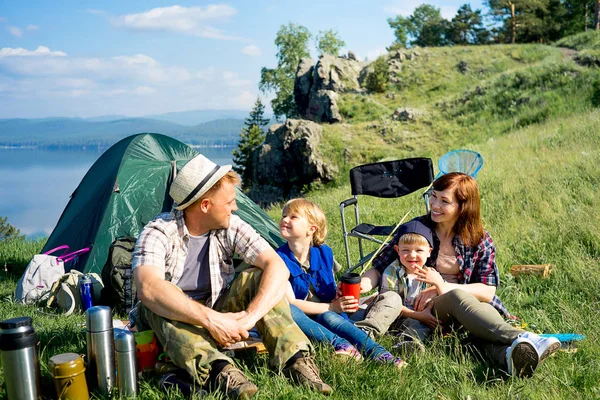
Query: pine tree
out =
(243, 164)
(257, 116)
(251, 137)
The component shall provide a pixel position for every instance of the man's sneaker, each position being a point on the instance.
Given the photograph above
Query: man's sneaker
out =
(304, 372)
(522, 358)
(545, 346)
(349, 351)
(407, 348)
(388, 358)
(233, 383)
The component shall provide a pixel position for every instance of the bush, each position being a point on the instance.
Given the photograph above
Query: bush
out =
(378, 79)
(596, 94)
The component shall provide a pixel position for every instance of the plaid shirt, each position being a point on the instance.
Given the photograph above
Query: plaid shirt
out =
(164, 244)
(475, 264)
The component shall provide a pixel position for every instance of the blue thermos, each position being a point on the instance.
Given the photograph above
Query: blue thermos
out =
(86, 291)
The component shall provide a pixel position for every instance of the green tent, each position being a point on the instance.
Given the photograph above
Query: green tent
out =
(124, 189)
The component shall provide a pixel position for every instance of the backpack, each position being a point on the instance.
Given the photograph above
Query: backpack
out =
(119, 285)
(65, 294)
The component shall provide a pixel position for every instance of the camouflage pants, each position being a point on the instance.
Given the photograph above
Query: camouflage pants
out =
(192, 348)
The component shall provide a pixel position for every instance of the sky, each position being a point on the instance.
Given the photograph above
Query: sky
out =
(77, 58)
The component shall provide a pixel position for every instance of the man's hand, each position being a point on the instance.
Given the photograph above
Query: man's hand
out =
(424, 298)
(344, 304)
(226, 328)
(427, 317)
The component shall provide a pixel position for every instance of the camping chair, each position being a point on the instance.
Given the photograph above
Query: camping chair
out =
(465, 161)
(388, 179)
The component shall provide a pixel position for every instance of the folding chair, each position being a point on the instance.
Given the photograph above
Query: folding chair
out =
(466, 161)
(388, 179)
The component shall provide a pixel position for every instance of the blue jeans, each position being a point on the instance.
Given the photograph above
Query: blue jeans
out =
(330, 327)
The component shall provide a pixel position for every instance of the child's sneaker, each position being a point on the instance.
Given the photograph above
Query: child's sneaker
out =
(388, 358)
(349, 351)
(522, 358)
(545, 346)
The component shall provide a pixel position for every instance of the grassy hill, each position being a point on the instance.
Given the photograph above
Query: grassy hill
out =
(534, 120)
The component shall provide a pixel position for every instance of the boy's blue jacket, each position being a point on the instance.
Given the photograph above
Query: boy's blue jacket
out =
(320, 273)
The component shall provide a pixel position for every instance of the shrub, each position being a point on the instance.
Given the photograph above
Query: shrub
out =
(378, 79)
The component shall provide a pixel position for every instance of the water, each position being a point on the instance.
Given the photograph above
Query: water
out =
(35, 184)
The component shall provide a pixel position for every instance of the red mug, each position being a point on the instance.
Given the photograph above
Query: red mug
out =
(351, 285)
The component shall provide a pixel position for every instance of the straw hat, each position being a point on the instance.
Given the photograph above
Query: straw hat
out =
(194, 179)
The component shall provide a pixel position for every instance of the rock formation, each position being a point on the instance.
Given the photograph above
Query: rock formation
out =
(288, 160)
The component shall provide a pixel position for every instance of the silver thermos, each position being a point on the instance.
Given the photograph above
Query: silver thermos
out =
(100, 348)
(18, 343)
(126, 366)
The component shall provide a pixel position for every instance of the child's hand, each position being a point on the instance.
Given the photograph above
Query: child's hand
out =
(427, 317)
(429, 275)
(344, 304)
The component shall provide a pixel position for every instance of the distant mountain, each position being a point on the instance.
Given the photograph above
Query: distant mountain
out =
(102, 118)
(195, 117)
(76, 132)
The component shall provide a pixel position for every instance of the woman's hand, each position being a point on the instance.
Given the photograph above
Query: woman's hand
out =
(429, 275)
(342, 304)
(427, 317)
(424, 298)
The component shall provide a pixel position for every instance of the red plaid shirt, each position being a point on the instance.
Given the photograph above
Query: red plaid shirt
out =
(476, 264)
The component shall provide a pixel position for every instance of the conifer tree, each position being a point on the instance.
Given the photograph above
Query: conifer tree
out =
(7, 231)
(251, 137)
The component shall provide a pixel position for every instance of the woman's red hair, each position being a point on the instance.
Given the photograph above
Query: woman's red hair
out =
(468, 226)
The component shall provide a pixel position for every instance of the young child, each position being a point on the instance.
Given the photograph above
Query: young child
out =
(399, 285)
(402, 276)
(312, 288)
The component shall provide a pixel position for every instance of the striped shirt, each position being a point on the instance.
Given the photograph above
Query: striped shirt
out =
(164, 244)
(476, 264)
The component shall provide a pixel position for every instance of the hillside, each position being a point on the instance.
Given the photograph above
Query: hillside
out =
(503, 89)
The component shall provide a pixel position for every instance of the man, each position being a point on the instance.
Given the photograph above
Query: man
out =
(184, 275)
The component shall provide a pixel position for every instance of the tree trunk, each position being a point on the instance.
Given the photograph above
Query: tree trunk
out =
(513, 31)
(585, 24)
(597, 16)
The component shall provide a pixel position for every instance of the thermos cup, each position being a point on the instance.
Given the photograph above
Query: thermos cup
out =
(68, 374)
(351, 285)
(18, 343)
(126, 367)
(86, 291)
(100, 348)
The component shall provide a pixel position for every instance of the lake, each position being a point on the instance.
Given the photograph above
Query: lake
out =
(35, 184)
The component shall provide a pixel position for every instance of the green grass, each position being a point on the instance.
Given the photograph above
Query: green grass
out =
(585, 40)
(539, 190)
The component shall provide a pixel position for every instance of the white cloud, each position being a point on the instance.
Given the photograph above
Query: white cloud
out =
(252, 51)
(245, 100)
(144, 90)
(187, 20)
(31, 27)
(373, 54)
(40, 51)
(13, 30)
(228, 78)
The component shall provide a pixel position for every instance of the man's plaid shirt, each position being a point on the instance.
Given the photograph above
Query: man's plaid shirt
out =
(164, 244)
(476, 264)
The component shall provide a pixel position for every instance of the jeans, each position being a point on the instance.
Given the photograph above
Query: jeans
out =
(332, 328)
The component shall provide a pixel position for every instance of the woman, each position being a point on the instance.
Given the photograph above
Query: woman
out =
(464, 256)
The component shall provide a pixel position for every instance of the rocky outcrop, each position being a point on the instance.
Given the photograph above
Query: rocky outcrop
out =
(316, 87)
(288, 160)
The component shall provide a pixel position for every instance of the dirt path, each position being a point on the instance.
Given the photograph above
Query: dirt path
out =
(568, 53)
